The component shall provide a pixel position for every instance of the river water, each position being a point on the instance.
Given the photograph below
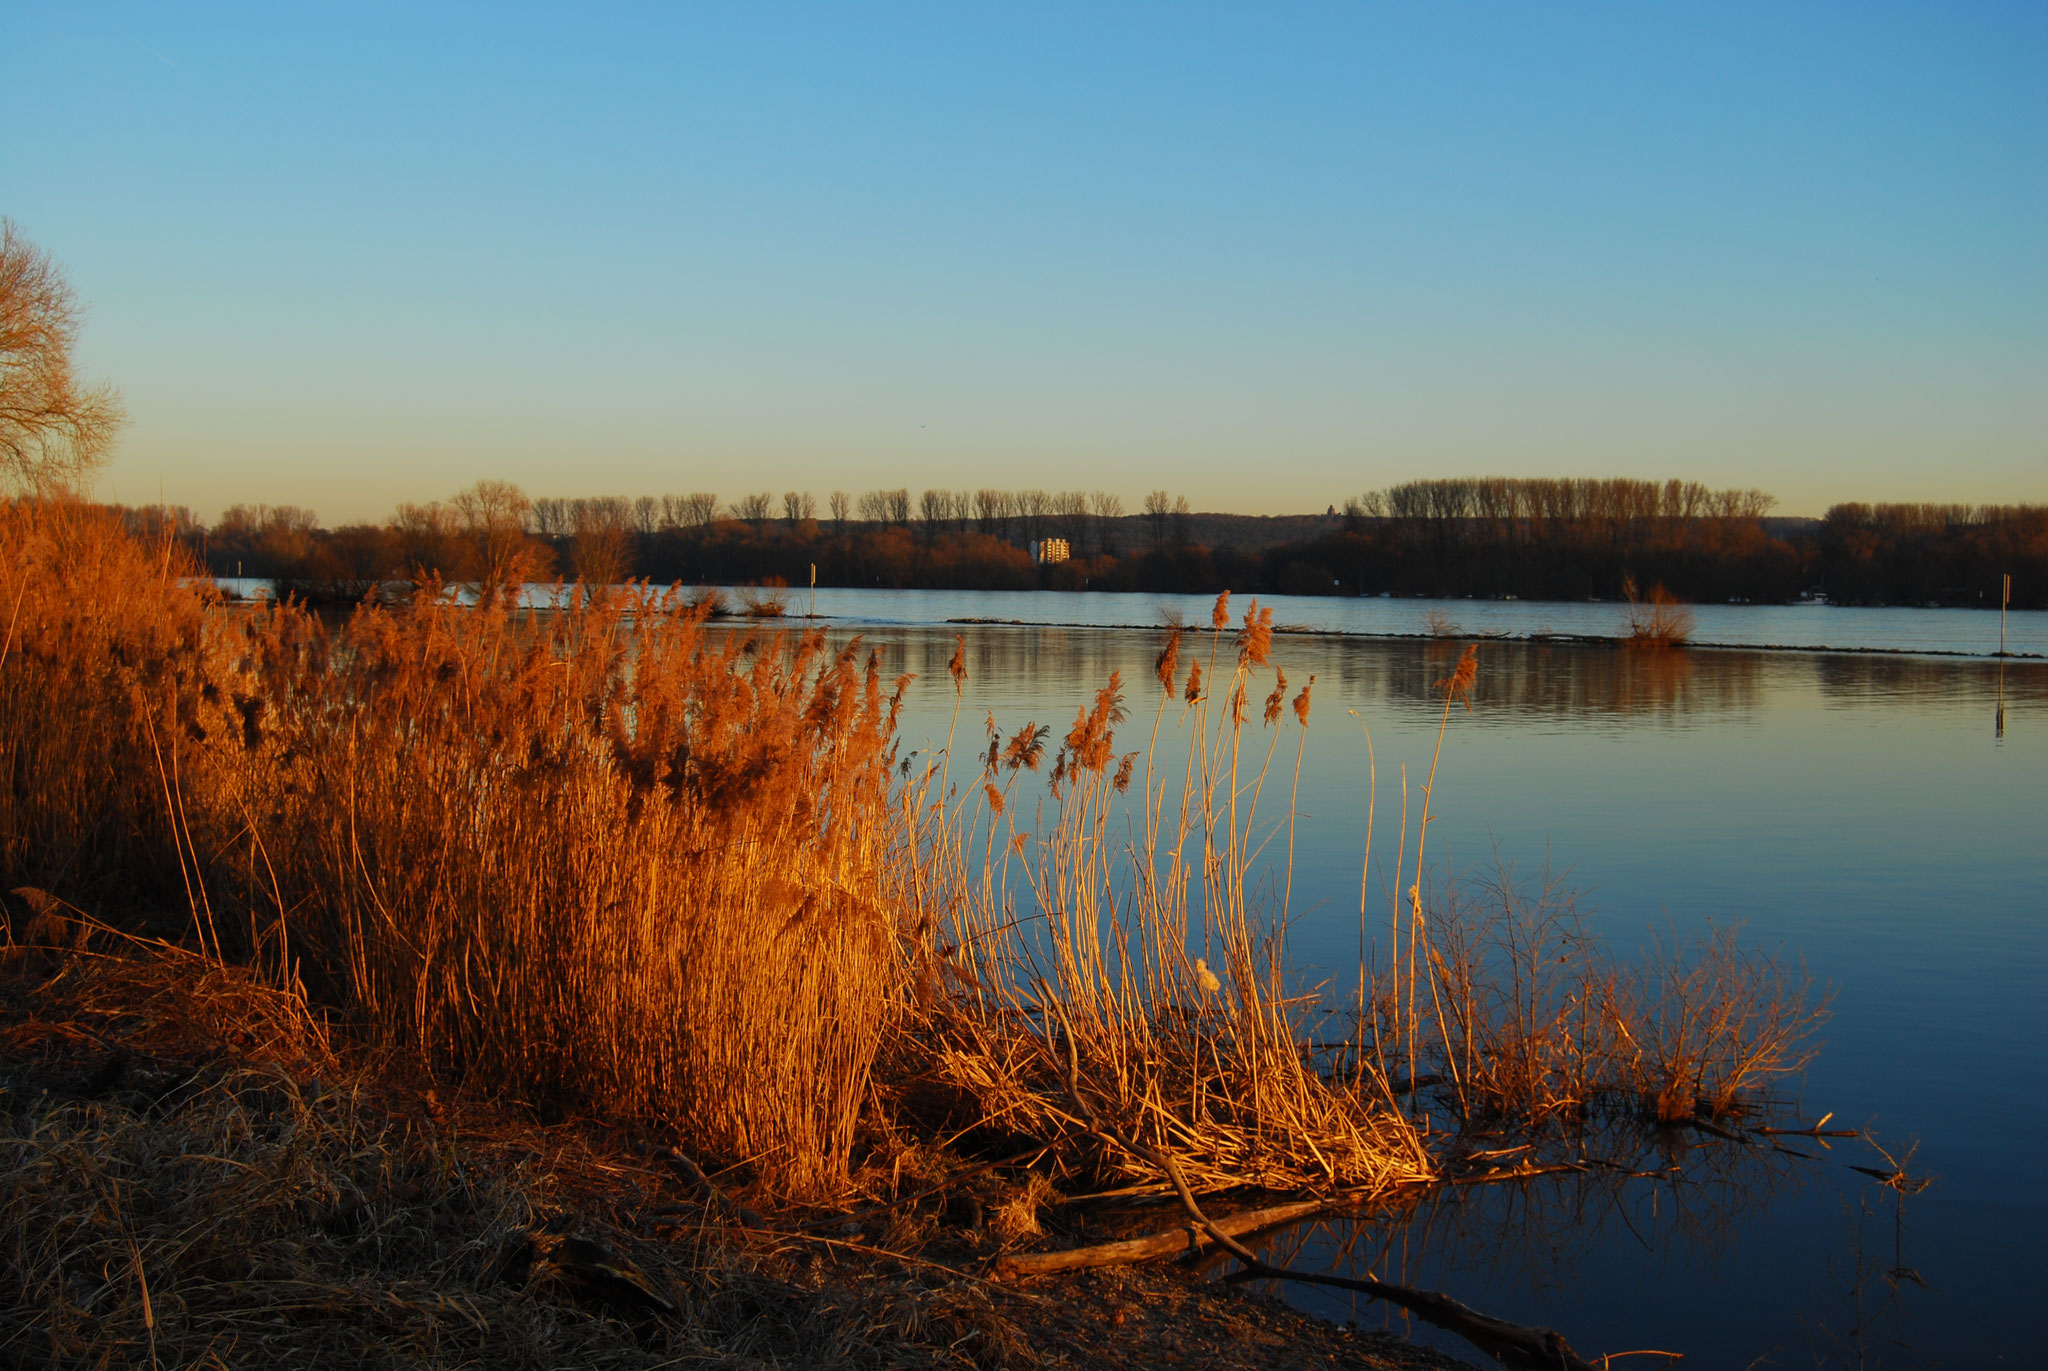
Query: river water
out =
(1879, 815)
(1861, 790)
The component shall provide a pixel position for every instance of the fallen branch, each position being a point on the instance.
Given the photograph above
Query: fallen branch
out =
(1512, 1344)
(1189, 1238)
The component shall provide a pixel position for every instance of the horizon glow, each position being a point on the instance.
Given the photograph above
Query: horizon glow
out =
(344, 257)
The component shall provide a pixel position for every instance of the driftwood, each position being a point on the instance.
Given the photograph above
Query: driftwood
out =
(1188, 1238)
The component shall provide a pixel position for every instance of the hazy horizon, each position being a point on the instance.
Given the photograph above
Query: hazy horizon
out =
(345, 258)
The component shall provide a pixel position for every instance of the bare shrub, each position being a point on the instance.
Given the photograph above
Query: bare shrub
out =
(1657, 624)
(767, 600)
(1698, 1026)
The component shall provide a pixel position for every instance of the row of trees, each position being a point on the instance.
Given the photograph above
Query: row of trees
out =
(1488, 537)
(1933, 554)
(1559, 539)
(1084, 518)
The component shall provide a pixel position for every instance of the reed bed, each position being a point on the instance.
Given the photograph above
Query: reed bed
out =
(1123, 990)
(601, 858)
(101, 654)
(592, 857)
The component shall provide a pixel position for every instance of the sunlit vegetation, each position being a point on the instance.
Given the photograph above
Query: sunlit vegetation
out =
(1656, 622)
(612, 857)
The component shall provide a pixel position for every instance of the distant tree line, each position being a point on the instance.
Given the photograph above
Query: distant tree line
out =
(1488, 537)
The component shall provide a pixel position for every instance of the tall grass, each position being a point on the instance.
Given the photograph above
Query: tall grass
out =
(101, 662)
(594, 857)
(602, 857)
(1123, 991)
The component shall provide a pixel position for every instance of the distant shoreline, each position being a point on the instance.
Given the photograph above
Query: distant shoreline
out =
(1546, 639)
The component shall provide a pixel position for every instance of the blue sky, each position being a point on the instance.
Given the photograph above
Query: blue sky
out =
(343, 255)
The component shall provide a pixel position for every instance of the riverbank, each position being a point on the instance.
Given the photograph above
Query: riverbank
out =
(199, 1171)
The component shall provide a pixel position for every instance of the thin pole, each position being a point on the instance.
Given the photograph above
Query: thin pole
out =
(2004, 599)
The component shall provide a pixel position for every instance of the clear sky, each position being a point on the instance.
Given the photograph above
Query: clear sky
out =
(342, 255)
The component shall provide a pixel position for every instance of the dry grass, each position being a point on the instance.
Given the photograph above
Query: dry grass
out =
(600, 859)
(1121, 991)
(100, 650)
(593, 857)
(189, 1176)
(613, 862)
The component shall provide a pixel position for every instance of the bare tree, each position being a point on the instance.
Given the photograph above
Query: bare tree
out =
(885, 506)
(842, 508)
(1033, 507)
(936, 509)
(428, 537)
(1108, 509)
(494, 517)
(1158, 509)
(1070, 507)
(993, 510)
(551, 517)
(797, 506)
(646, 514)
(53, 430)
(754, 508)
(700, 509)
(603, 552)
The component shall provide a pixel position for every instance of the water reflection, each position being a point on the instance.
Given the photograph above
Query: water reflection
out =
(1519, 681)
(1517, 1250)
(1869, 1323)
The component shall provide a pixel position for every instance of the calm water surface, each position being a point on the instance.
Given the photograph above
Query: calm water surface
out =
(1879, 811)
(1844, 628)
(1868, 814)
